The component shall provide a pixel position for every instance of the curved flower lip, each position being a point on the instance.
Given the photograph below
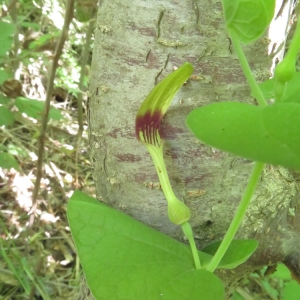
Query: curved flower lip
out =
(153, 108)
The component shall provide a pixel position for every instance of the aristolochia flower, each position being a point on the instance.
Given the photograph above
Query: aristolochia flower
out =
(148, 122)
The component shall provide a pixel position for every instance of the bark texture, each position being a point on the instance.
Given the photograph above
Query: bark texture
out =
(137, 44)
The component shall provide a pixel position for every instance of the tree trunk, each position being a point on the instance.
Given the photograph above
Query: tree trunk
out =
(137, 44)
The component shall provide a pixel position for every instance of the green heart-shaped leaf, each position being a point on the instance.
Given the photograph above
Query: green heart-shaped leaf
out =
(268, 134)
(237, 253)
(124, 259)
(248, 18)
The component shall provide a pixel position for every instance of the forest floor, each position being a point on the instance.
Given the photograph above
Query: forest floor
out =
(38, 257)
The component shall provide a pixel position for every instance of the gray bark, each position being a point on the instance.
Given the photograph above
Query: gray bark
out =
(137, 44)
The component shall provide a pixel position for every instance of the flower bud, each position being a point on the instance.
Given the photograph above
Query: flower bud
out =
(285, 70)
(178, 212)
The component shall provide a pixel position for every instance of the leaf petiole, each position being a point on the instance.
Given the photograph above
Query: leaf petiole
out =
(256, 92)
(239, 215)
(258, 167)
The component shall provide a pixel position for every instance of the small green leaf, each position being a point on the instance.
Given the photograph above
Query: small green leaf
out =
(237, 253)
(6, 32)
(292, 89)
(3, 76)
(290, 290)
(124, 259)
(266, 134)
(55, 114)
(34, 108)
(7, 161)
(42, 40)
(248, 18)
(17, 151)
(6, 116)
(282, 272)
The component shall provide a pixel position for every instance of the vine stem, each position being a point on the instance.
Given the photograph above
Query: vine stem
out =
(239, 215)
(256, 92)
(258, 167)
(295, 44)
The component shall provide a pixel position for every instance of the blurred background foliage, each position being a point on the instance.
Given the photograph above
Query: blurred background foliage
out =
(39, 169)
(37, 254)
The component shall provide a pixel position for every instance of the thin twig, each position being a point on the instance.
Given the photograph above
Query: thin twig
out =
(52, 72)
